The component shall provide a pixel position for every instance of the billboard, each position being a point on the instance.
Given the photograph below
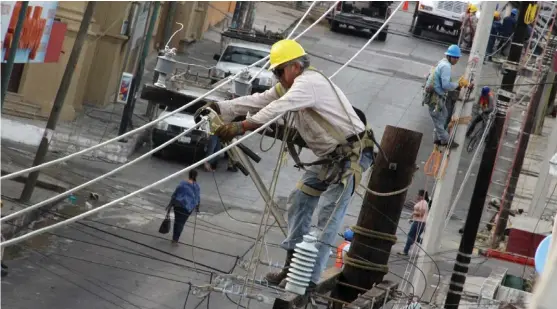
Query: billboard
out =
(36, 32)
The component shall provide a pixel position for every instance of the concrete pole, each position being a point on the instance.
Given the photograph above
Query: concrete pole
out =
(443, 190)
(59, 100)
(545, 292)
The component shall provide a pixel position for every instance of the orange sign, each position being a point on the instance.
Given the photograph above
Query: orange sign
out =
(35, 33)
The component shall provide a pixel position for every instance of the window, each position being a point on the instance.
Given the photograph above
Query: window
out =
(243, 55)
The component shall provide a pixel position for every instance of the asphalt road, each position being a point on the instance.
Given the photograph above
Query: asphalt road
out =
(118, 260)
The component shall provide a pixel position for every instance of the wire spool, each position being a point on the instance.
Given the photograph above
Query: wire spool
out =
(301, 268)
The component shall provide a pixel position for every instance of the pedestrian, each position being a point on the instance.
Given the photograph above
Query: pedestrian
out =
(494, 33)
(438, 84)
(343, 248)
(469, 24)
(507, 29)
(486, 104)
(326, 121)
(185, 200)
(419, 216)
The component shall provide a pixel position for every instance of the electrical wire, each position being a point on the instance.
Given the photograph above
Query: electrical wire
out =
(103, 176)
(152, 123)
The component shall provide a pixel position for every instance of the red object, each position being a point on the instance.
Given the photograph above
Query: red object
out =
(405, 6)
(523, 242)
(513, 258)
(339, 262)
(54, 48)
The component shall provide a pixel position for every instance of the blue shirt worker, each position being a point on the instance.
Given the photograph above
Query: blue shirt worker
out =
(507, 29)
(495, 31)
(184, 200)
(437, 85)
(486, 105)
(326, 121)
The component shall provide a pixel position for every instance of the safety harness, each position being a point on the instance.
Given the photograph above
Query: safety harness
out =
(430, 97)
(333, 165)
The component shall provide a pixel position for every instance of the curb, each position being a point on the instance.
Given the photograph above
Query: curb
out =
(43, 184)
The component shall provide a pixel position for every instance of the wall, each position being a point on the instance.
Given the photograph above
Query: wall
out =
(40, 82)
(216, 12)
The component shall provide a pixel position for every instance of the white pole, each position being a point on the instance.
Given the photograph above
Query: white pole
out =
(545, 292)
(444, 188)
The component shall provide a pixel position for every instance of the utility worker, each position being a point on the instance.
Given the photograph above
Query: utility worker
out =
(507, 29)
(486, 104)
(495, 31)
(435, 91)
(343, 248)
(469, 24)
(330, 127)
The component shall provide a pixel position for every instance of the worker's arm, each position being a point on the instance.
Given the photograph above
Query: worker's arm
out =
(248, 104)
(300, 96)
(445, 74)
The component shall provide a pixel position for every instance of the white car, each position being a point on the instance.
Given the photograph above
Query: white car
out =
(238, 56)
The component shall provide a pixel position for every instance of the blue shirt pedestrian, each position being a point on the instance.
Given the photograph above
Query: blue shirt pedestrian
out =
(187, 195)
(184, 200)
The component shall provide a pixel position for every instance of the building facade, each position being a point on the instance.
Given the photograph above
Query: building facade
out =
(97, 74)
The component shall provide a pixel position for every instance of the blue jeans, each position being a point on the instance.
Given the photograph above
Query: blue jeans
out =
(212, 147)
(302, 206)
(416, 230)
(439, 118)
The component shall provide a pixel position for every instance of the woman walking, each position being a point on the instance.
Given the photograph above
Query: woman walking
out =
(419, 216)
(184, 200)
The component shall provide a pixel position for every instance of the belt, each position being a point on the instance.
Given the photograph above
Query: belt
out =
(355, 137)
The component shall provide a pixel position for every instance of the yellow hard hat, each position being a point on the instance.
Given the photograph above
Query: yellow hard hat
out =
(473, 8)
(284, 51)
(497, 14)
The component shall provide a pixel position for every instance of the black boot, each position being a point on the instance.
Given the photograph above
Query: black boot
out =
(278, 277)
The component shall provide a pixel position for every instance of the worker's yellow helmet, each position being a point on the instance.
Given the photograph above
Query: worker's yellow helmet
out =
(497, 14)
(284, 51)
(473, 8)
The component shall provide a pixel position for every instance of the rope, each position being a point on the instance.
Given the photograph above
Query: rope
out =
(530, 14)
(393, 193)
(373, 234)
(365, 265)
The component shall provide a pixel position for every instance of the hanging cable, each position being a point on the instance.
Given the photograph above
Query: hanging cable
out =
(154, 122)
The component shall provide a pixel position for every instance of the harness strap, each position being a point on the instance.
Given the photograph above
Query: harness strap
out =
(308, 190)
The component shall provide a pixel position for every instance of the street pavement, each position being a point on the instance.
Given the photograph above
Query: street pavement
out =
(117, 259)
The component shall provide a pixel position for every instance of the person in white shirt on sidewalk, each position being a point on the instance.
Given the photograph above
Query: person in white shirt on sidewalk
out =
(419, 216)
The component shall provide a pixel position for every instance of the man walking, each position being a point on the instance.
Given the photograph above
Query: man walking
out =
(326, 121)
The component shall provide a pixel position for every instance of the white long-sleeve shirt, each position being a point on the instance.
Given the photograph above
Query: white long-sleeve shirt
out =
(310, 90)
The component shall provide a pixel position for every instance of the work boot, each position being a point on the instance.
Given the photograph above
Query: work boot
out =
(279, 277)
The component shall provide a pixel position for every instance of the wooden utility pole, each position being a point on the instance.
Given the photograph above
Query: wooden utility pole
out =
(378, 219)
(59, 100)
(483, 179)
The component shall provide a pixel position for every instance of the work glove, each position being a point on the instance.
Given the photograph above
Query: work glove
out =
(462, 82)
(203, 112)
(230, 130)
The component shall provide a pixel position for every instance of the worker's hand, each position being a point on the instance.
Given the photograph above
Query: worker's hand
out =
(203, 110)
(230, 130)
(462, 82)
